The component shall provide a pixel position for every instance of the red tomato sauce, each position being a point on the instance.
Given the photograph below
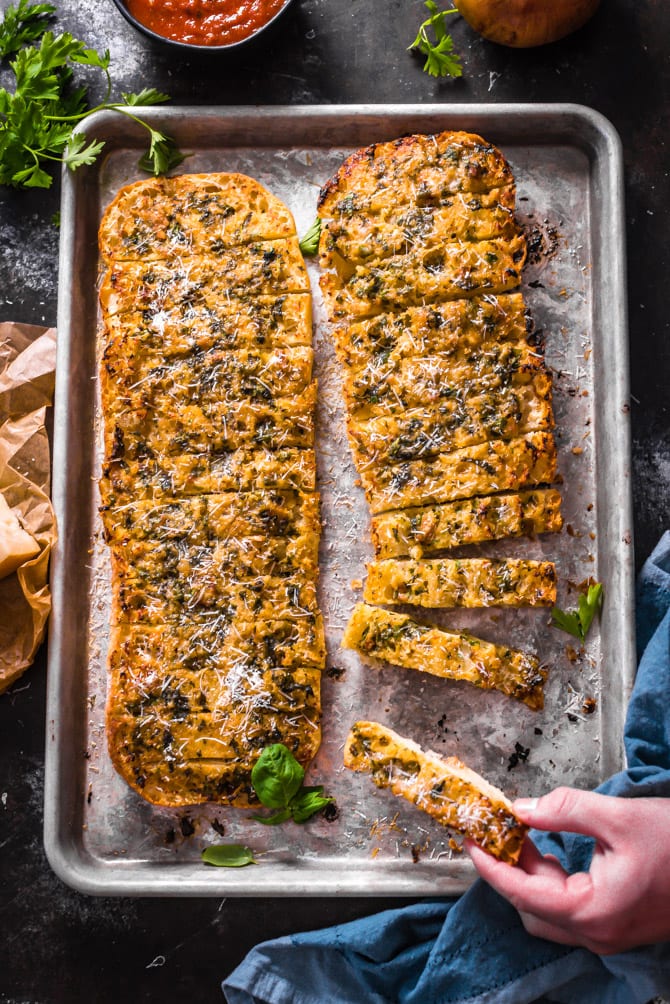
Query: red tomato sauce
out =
(205, 22)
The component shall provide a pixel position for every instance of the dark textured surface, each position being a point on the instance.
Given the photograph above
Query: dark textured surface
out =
(58, 946)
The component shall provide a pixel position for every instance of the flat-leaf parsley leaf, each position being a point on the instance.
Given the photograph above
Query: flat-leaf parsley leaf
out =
(441, 60)
(23, 24)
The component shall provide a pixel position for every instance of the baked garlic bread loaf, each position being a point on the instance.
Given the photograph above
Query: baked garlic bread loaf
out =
(444, 788)
(396, 638)
(422, 261)
(449, 401)
(207, 487)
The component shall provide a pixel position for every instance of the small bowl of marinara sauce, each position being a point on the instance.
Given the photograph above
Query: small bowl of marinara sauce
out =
(202, 24)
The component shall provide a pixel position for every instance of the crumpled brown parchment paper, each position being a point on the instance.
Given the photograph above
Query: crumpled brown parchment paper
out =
(27, 365)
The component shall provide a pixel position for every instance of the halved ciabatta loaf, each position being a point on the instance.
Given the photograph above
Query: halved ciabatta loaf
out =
(398, 639)
(446, 789)
(447, 392)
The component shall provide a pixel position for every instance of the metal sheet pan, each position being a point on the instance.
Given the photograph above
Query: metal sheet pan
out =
(100, 837)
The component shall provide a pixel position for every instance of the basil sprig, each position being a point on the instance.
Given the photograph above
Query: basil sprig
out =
(277, 778)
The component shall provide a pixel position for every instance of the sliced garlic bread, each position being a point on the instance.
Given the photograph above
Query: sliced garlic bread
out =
(444, 788)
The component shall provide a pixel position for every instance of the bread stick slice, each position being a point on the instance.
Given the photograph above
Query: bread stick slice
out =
(264, 268)
(446, 789)
(447, 272)
(431, 381)
(192, 214)
(365, 236)
(462, 582)
(423, 529)
(162, 476)
(396, 638)
(496, 465)
(262, 322)
(452, 424)
(424, 169)
(447, 328)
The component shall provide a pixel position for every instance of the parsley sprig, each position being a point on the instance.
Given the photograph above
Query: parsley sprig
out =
(577, 622)
(277, 779)
(23, 24)
(37, 120)
(441, 60)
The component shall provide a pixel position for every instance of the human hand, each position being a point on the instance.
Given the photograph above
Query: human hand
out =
(622, 901)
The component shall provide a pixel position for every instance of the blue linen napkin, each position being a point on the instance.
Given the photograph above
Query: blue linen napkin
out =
(474, 950)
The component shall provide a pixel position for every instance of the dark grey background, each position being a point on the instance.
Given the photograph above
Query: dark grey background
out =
(58, 946)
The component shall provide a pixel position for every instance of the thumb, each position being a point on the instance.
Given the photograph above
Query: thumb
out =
(575, 811)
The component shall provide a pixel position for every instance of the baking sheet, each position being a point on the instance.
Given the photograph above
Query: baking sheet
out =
(103, 838)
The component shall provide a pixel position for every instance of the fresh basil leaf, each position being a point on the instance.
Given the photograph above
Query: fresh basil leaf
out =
(566, 621)
(308, 802)
(310, 242)
(589, 605)
(280, 816)
(577, 622)
(228, 856)
(276, 776)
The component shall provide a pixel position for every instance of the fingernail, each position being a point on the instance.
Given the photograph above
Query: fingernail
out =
(525, 805)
